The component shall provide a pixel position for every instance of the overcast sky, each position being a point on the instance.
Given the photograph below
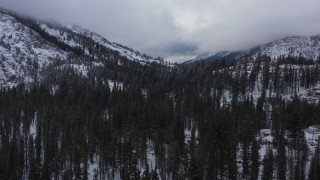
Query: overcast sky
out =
(181, 27)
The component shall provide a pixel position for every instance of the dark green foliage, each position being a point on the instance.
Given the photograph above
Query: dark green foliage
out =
(281, 156)
(268, 165)
(255, 164)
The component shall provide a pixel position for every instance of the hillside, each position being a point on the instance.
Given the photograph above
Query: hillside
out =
(29, 47)
(306, 47)
(23, 52)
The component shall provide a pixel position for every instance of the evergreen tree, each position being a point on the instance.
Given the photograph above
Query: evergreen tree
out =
(281, 157)
(268, 165)
(314, 170)
(254, 160)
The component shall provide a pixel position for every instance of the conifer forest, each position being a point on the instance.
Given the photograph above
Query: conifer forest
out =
(162, 122)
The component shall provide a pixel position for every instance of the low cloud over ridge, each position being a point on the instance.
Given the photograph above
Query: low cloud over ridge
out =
(153, 26)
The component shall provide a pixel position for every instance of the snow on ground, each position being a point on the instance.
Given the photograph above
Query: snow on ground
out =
(124, 51)
(62, 36)
(210, 54)
(308, 47)
(265, 138)
(82, 69)
(226, 97)
(311, 94)
(151, 158)
(144, 93)
(93, 168)
(20, 49)
(188, 134)
(98, 64)
(115, 83)
(239, 159)
(312, 134)
(33, 130)
(33, 126)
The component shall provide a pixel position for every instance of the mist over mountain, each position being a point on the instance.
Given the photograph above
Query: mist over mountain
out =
(152, 27)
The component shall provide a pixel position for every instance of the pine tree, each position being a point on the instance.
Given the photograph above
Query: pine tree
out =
(281, 157)
(155, 174)
(146, 174)
(33, 171)
(268, 165)
(314, 170)
(254, 160)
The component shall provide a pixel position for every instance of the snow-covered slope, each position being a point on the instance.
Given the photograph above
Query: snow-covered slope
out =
(23, 52)
(73, 36)
(213, 56)
(307, 47)
(207, 55)
(309, 93)
(28, 47)
(266, 140)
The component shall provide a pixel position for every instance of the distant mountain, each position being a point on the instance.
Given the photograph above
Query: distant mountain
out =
(28, 47)
(307, 47)
(228, 56)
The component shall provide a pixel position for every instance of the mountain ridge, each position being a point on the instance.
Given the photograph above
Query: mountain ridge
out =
(28, 46)
(305, 46)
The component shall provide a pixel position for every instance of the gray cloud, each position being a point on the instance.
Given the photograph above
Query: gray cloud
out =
(181, 48)
(153, 26)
